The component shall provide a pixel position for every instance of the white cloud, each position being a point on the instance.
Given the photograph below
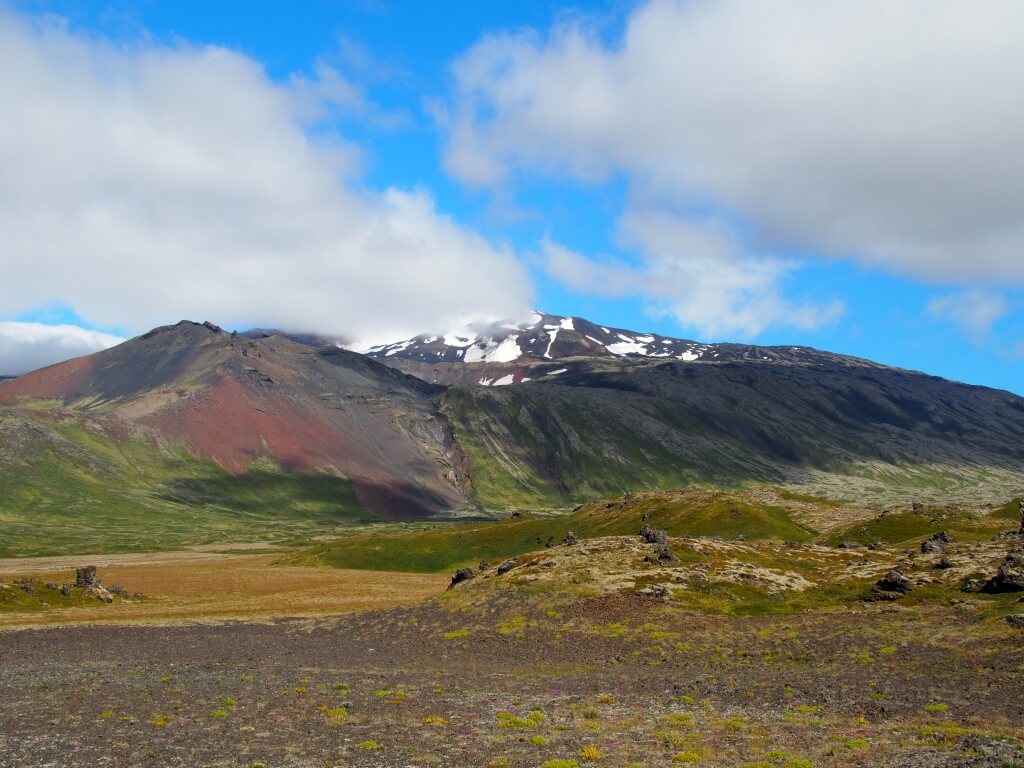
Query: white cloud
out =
(975, 311)
(883, 131)
(696, 273)
(27, 346)
(143, 184)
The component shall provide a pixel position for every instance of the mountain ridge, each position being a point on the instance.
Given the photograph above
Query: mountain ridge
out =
(192, 415)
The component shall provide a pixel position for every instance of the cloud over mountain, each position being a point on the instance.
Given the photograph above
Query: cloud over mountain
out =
(146, 182)
(882, 132)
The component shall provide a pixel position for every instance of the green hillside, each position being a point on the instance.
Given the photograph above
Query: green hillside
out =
(688, 513)
(68, 489)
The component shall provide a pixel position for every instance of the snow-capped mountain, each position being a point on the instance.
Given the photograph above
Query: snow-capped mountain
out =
(542, 338)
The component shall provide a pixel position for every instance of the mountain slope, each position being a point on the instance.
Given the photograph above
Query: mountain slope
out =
(849, 430)
(233, 401)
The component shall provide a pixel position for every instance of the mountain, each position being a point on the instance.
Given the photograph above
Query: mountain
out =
(194, 428)
(606, 409)
(510, 351)
(233, 401)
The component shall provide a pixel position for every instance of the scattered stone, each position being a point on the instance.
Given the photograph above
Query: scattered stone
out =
(1016, 620)
(973, 585)
(119, 590)
(936, 543)
(27, 587)
(893, 582)
(570, 539)
(1009, 577)
(942, 564)
(505, 567)
(100, 593)
(654, 535)
(51, 585)
(65, 589)
(659, 591)
(461, 575)
(917, 507)
(848, 545)
(516, 514)
(484, 565)
(86, 577)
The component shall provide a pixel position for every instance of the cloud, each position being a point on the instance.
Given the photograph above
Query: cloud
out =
(27, 346)
(696, 273)
(887, 132)
(975, 311)
(144, 183)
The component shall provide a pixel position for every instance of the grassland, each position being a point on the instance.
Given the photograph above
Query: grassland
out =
(202, 586)
(761, 515)
(442, 547)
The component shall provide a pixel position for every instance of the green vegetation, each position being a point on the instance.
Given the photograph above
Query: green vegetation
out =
(682, 514)
(67, 489)
(905, 526)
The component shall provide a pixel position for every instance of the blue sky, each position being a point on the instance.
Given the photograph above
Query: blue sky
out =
(459, 103)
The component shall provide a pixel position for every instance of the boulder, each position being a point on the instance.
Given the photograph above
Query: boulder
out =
(1009, 577)
(86, 577)
(570, 539)
(100, 593)
(460, 576)
(659, 591)
(1016, 620)
(654, 535)
(936, 543)
(942, 564)
(505, 567)
(893, 582)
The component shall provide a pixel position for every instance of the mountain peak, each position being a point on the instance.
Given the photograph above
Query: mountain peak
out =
(183, 326)
(543, 338)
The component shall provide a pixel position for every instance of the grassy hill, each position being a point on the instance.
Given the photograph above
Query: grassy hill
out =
(764, 515)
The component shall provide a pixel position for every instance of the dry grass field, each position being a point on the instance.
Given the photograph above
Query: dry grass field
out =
(197, 585)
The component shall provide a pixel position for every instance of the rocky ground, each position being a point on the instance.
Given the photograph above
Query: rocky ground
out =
(598, 653)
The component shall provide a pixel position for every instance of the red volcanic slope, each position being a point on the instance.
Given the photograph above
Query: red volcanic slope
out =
(234, 400)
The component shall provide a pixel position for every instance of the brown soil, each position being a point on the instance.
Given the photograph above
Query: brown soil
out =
(622, 680)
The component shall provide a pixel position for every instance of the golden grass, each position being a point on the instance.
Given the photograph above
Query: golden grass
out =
(193, 585)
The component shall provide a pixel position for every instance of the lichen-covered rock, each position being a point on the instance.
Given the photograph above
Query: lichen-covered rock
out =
(460, 576)
(1009, 577)
(894, 582)
(654, 535)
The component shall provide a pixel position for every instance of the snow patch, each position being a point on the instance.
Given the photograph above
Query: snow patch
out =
(456, 340)
(504, 381)
(506, 352)
(554, 335)
(555, 373)
(476, 354)
(567, 324)
(627, 348)
(399, 348)
(689, 356)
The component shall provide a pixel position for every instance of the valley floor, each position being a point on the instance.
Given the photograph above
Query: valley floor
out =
(202, 585)
(617, 680)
